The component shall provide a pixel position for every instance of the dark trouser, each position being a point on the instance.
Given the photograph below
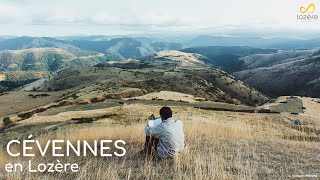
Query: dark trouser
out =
(150, 146)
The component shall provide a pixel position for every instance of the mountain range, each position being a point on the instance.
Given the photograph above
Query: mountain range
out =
(120, 48)
(260, 42)
(24, 58)
(39, 62)
(227, 58)
(274, 66)
(165, 71)
(283, 73)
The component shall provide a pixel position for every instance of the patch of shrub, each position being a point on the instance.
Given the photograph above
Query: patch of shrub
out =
(97, 99)
(26, 115)
(267, 111)
(7, 121)
(38, 95)
(112, 96)
(83, 120)
(65, 103)
(39, 110)
(297, 122)
(74, 95)
(2, 94)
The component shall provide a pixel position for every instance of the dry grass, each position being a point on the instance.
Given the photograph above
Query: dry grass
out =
(222, 145)
(97, 99)
(312, 106)
(205, 157)
(170, 95)
(15, 102)
(84, 101)
(185, 59)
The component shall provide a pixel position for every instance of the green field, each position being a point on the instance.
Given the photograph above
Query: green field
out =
(292, 105)
(111, 103)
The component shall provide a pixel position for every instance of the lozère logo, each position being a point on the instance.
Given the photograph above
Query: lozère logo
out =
(310, 9)
(307, 13)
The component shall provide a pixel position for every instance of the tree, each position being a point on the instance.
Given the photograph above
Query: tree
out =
(7, 121)
(29, 62)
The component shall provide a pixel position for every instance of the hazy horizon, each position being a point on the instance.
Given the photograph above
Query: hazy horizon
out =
(126, 17)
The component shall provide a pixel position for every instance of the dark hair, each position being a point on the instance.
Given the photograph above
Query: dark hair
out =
(166, 113)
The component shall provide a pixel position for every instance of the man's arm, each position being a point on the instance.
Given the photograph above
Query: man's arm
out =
(154, 131)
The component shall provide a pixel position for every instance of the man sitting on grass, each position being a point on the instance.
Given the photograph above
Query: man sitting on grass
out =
(166, 138)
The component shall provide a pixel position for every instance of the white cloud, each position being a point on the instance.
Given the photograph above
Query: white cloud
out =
(9, 13)
(71, 16)
(138, 15)
(58, 16)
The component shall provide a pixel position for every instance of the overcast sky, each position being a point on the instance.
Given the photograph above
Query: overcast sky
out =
(79, 17)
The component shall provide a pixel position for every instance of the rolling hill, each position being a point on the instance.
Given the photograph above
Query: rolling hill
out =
(284, 73)
(26, 42)
(227, 58)
(42, 59)
(27, 58)
(272, 71)
(166, 71)
(163, 59)
(124, 48)
(18, 67)
(119, 48)
(260, 42)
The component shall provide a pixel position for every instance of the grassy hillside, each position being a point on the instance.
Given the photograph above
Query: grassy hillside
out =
(40, 59)
(124, 48)
(267, 60)
(7, 85)
(221, 145)
(232, 129)
(43, 60)
(26, 42)
(227, 58)
(18, 67)
(284, 73)
(166, 71)
(117, 47)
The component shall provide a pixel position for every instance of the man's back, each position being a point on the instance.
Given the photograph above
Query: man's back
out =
(170, 135)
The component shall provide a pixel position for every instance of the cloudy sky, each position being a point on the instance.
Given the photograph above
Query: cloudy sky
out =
(80, 17)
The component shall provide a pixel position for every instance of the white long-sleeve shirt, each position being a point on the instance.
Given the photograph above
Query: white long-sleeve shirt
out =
(170, 135)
